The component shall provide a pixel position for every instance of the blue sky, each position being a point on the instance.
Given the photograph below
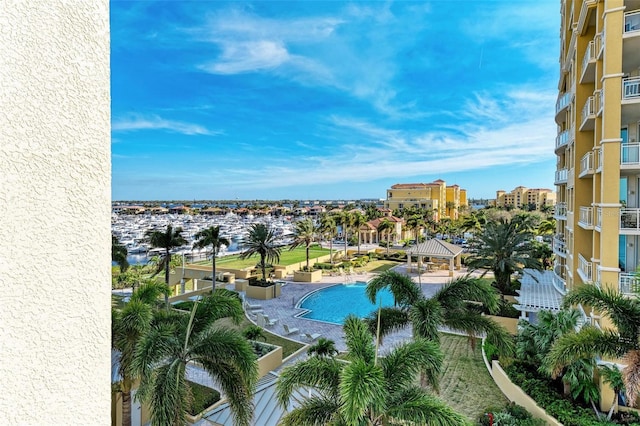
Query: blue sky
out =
(331, 99)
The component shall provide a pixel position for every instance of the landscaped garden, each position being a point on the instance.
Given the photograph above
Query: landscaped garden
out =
(287, 257)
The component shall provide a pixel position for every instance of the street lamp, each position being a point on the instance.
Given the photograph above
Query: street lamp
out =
(182, 289)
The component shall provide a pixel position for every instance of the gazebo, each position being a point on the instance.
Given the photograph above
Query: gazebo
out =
(435, 248)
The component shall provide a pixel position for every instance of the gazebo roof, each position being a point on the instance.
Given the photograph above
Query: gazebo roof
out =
(436, 248)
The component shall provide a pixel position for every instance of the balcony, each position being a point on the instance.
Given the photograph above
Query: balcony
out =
(563, 103)
(586, 218)
(559, 246)
(630, 155)
(587, 166)
(628, 284)
(588, 115)
(589, 61)
(563, 139)
(631, 22)
(631, 88)
(630, 221)
(599, 161)
(585, 269)
(561, 177)
(598, 224)
(559, 278)
(560, 211)
(586, 12)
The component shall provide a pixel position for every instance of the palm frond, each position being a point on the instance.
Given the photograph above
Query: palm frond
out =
(391, 320)
(404, 362)
(405, 291)
(362, 388)
(314, 411)
(320, 373)
(171, 396)
(414, 406)
(426, 316)
(631, 375)
(358, 339)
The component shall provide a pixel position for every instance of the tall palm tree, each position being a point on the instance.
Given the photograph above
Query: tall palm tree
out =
(164, 352)
(621, 342)
(504, 247)
(166, 240)
(345, 222)
(612, 376)
(128, 325)
(119, 253)
(210, 237)
(386, 226)
(448, 307)
(323, 347)
(305, 234)
(328, 229)
(357, 220)
(367, 390)
(261, 241)
(415, 222)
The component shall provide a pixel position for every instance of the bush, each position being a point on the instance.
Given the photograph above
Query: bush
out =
(324, 266)
(203, 398)
(261, 349)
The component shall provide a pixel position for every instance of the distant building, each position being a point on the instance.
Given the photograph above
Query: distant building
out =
(443, 200)
(526, 198)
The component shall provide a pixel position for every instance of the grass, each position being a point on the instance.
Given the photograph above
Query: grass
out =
(288, 346)
(287, 257)
(466, 385)
(377, 266)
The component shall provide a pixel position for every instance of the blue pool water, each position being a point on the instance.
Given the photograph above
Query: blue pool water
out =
(333, 304)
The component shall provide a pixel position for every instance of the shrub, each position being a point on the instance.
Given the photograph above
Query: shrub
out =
(324, 266)
(203, 397)
(261, 349)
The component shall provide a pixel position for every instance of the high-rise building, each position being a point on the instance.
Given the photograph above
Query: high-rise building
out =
(526, 198)
(598, 167)
(443, 200)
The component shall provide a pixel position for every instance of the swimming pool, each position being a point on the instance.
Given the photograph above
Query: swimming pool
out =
(333, 304)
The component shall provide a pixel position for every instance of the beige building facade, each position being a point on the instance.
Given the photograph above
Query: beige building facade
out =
(443, 200)
(526, 198)
(598, 167)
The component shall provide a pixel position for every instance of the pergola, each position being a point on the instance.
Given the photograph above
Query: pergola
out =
(435, 248)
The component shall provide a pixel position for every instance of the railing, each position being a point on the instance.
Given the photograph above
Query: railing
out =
(629, 219)
(586, 217)
(628, 284)
(586, 163)
(632, 21)
(599, 161)
(586, 268)
(598, 104)
(561, 176)
(563, 138)
(588, 110)
(599, 217)
(630, 154)
(561, 209)
(589, 55)
(582, 18)
(563, 101)
(599, 45)
(559, 246)
(631, 88)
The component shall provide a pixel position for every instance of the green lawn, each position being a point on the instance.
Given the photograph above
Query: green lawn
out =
(287, 257)
(466, 385)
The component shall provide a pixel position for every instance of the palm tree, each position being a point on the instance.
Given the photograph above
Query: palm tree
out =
(328, 229)
(367, 390)
(261, 241)
(166, 240)
(323, 347)
(612, 376)
(128, 325)
(621, 342)
(345, 221)
(211, 237)
(415, 222)
(178, 339)
(305, 234)
(119, 254)
(504, 247)
(449, 307)
(386, 226)
(357, 220)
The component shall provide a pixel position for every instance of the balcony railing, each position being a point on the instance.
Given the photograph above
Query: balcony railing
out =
(560, 210)
(630, 154)
(563, 101)
(561, 176)
(628, 284)
(599, 161)
(599, 45)
(563, 138)
(599, 217)
(629, 219)
(589, 57)
(588, 110)
(585, 268)
(586, 164)
(586, 217)
(632, 21)
(631, 88)
(559, 246)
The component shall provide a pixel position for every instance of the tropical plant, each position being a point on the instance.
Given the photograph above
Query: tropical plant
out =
(210, 237)
(449, 307)
(254, 332)
(612, 376)
(328, 229)
(357, 221)
(619, 342)
(128, 325)
(166, 240)
(261, 241)
(504, 247)
(345, 222)
(177, 339)
(387, 226)
(415, 222)
(323, 347)
(119, 253)
(305, 234)
(367, 390)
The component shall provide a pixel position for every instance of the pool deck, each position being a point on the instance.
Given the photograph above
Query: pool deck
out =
(283, 308)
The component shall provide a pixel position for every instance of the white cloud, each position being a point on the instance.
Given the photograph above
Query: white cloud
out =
(247, 56)
(154, 122)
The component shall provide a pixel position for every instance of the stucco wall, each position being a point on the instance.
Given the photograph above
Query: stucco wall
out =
(55, 212)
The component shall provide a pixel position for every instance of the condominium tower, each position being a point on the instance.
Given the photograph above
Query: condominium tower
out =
(598, 162)
(443, 200)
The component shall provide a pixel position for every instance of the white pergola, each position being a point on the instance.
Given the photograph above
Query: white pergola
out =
(435, 248)
(537, 293)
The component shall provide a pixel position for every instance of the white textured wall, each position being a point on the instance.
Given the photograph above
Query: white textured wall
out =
(54, 212)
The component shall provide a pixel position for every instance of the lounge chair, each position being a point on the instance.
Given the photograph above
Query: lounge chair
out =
(310, 336)
(264, 320)
(289, 330)
(252, 307)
